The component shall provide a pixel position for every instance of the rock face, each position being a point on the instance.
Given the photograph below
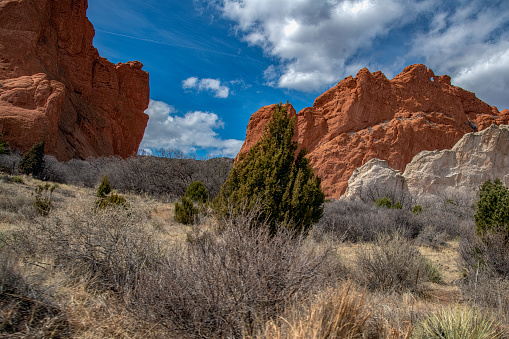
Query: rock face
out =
(370, 116)
(375, 173)
(55, 87)
(476, 158)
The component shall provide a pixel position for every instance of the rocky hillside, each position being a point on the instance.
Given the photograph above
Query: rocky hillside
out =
(476, 158)
(55, 87)
(370, 116)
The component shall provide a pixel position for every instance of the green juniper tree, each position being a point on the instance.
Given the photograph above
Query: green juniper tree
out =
(33, 161)
(273, 176)
(492, 208)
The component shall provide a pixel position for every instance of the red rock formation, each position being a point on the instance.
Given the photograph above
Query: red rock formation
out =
(370, 116)
(55, 87)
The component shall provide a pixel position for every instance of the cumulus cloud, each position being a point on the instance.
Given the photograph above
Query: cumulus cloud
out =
(190, 133)
(472, 45)
(206, 84)
(315, 43)
(312, 40)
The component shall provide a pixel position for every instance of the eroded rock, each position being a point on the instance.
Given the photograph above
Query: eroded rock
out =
(55, 87)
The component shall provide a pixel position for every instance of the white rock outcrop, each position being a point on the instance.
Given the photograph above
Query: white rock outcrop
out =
(474, 159)
(374, 173)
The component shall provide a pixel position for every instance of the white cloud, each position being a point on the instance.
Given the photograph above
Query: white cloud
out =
(315, 43)
(192, 132)
(470, 44)
(207, 84)
(312, 40)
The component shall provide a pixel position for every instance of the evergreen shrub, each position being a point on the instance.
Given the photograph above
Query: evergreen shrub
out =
(33, 161)
(197, 192)
(276, 177)
(185, 212)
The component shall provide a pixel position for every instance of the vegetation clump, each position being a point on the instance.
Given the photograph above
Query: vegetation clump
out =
(4, 147)
(33, 161)
(197, 192)
(272, 175)
(387, 203)
(43, 200)
(458, 323)
(185, 212)
(104, 188)
(492, 208)
(108, 198)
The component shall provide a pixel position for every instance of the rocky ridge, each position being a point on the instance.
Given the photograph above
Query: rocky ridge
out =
(370, 116)
(55, 87)
(475, 158)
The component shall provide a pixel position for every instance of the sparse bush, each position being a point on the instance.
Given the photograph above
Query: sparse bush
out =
(390, 264)
(26, 310)
(383, 202)
(370, 194)
(358, 221)
(417, 209)
(165, 177)
(109, 249)
(43, 198)
(485, 264)
(18, 179)
(221, 285)
(458, 323)
(185, 212)
(33, 161)
(110, 200)
(271, 174)
(104, 188)
(197, 192)
(432, 237)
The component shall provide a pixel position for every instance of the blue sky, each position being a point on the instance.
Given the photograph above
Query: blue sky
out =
(213, 63)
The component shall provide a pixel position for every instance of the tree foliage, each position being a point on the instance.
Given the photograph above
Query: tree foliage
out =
(492, 208)
(104, 188)
(33, 161)
(4, 147)
(185, 212)
(273, 176)
(197, 192)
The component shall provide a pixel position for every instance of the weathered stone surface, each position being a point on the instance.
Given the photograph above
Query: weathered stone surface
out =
(55, 87)
(476, 158)
(370, 117)
(375, 173)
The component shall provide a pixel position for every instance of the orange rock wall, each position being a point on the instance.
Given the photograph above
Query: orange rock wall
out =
(55, 87)
(370, 116)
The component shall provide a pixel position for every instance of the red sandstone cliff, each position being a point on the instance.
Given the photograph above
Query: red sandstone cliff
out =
(55, 87)
(370, 116)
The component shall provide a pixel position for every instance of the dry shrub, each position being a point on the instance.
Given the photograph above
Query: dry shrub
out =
(390, 264)
(225, 284)
(340, 314)
(166, 176)
(110, 248)
(485, 264)
(26, 310)
(359, 221)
